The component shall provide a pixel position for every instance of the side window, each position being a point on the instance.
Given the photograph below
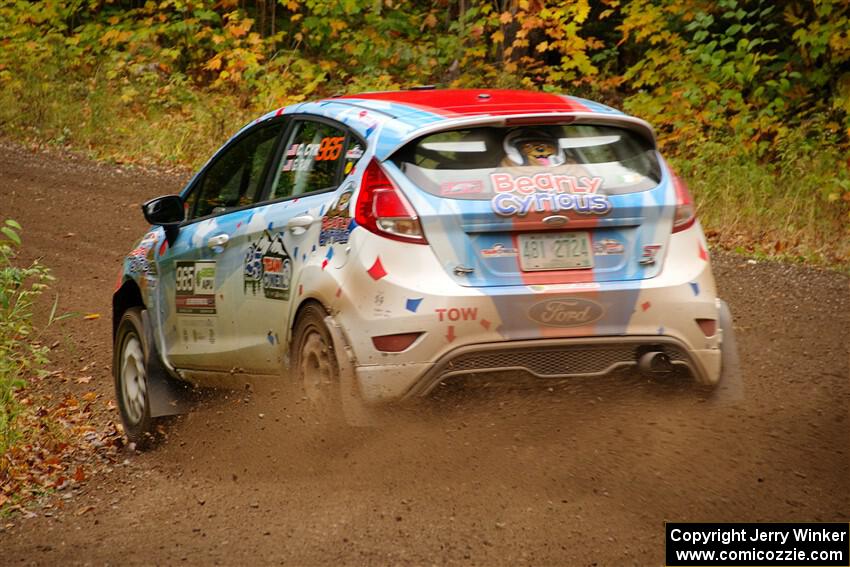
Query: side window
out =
(353, 152)
(190, 200)
(234, 179)
(311, 160)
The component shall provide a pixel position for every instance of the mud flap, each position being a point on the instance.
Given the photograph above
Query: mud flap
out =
(730, 388)
(166, 395)
(357, 413)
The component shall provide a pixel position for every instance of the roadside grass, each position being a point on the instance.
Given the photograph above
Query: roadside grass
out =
(20, 351)
(115, 122)
(37, 437)
(794, 207)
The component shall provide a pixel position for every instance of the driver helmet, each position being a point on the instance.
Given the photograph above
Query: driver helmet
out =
(533, 147)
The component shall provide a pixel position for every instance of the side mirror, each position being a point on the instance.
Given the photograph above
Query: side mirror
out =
(164, 210)
(167, 212)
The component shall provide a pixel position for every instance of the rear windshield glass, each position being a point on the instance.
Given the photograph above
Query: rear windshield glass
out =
(477, 163)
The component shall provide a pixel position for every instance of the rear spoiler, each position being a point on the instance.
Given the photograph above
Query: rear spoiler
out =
(636, 125)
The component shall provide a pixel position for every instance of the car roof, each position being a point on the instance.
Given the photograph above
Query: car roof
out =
(389, 119)
(454, 103)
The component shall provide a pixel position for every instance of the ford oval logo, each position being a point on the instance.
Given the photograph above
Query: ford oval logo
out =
(565, 312)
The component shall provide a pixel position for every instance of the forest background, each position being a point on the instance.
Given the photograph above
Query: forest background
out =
(750, 99)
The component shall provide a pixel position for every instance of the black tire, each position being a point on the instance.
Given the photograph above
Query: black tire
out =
(730, 386)
(130, 370)
(314, 364)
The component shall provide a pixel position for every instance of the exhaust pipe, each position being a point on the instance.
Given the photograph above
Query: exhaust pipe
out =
(654, 363)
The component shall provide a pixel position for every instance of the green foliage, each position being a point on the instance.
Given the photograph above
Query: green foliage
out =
(749, 68)
(21, 353)
(734, 68)
(19, 350)
(169, 79)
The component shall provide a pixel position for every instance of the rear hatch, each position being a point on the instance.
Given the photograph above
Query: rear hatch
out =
(539, 203)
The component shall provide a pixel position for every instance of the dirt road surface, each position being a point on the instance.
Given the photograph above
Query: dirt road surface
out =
(584, 474)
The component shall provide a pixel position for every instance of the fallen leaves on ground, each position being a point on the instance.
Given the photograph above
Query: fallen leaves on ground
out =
(61, 449)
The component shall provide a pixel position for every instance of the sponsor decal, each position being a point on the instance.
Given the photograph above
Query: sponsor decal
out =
(550, 288)
(268, 267)
(695, 288)
(457, 314)
(291, 154)
(195, 288)
(365, 119)
(352, 156)
(547, 192)
(650, 252)
(377, 271)
(149, 239)
(329, 148)
(544, 182)
(140, 259)
(300, 157)
(450, 334)
(472, 187)
(197, 330)
(354, 153)
(337, 221)
(137, 261)
(565, 312)
(499, 251)
(608, 247)
(379, 310)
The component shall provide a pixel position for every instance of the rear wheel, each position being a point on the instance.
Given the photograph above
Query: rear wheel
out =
(315, 364)
(130, 371)
(730, 386)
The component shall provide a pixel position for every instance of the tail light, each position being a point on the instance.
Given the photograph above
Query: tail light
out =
(685, 214)
(381, 208)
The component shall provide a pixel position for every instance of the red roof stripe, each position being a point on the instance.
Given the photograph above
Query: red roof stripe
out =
(454, 102)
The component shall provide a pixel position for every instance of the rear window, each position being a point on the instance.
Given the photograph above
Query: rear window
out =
(477, 163)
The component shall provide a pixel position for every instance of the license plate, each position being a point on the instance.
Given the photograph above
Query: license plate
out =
(555, 251)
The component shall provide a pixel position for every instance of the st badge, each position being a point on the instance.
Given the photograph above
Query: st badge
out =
(650, 252)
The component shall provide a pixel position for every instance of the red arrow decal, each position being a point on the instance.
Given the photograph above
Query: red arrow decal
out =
(451, 334)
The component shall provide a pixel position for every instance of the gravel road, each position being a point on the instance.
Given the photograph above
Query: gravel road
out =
(582, 473)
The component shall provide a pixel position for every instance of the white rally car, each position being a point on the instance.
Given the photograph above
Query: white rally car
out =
(369, 247)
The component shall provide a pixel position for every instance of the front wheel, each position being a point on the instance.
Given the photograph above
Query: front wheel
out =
(130, 370)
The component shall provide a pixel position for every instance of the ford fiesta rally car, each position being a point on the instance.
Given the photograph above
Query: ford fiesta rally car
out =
(369, 247)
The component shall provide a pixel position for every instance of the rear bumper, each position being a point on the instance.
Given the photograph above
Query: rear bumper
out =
(558, 358)
(474, 330)
(541, 358)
